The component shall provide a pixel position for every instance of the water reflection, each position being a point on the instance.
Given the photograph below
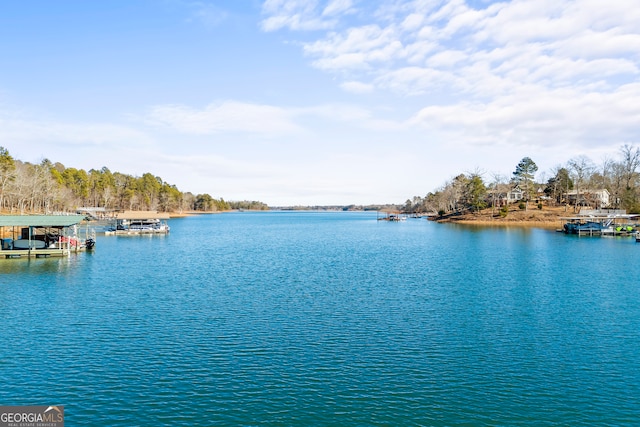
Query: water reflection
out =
(38, 266)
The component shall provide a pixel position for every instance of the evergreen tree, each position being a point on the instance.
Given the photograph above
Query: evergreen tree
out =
(559, 184)
(523, 176)
(476, 193)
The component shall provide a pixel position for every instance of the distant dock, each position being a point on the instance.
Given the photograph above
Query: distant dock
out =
(392, 216)
(132, 223)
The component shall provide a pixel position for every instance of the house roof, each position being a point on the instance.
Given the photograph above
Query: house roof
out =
(588, 191)
(40, 220)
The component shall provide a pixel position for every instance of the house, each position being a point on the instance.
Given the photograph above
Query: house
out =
(503, 198)
(515, 195)
(588, 197)
(541, 195)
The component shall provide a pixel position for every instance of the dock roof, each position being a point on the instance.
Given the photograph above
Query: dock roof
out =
(40, 220)
(142, 215)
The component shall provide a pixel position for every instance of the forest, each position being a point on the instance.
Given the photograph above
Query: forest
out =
(49, 187)
(574, 183)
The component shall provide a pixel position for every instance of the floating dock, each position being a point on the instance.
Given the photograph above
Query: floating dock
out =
(392, 216)
(131, 223)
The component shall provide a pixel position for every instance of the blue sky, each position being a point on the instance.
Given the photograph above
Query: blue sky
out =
(318, 101)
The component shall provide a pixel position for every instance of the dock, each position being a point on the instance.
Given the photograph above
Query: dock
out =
(392, 216)
(601, 222)
(132, 223)
(41, 236)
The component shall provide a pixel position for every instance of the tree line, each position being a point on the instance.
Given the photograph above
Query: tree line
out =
(580, 176)
(49, 187)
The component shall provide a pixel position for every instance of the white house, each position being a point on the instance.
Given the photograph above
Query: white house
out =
(503, 198)
(589, 197)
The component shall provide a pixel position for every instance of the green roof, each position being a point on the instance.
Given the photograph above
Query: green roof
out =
(39, 220)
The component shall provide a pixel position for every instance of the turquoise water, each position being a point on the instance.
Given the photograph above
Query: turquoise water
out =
(309, 318)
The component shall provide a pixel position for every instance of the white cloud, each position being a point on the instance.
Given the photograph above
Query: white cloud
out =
(357, 87)
(303, 14)
(446, 59)
(524, 35)
(521, 72)
(543, 119)
(228, 116)
(358, 48)
(336, 7)
(592, 45)
(19, 129)
(336, 113)
(235, 119)
(412, 22)
(415, 80)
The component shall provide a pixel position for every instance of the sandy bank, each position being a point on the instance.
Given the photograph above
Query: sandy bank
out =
(547, 218)
(551, 225)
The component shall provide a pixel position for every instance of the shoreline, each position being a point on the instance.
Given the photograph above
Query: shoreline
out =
(545, 224)
(548, 218)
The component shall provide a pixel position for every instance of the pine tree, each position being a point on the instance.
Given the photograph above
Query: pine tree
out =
(523, 176)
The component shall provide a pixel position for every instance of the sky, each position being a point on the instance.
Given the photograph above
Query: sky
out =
(318, 102)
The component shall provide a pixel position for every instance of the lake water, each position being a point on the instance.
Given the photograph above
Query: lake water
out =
(315, 318)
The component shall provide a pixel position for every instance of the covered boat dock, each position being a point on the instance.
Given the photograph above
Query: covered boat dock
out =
(391, 215)
(602, 222)
(139, 222)
(41, 236)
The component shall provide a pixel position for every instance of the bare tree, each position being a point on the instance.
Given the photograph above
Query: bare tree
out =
(617, 183)
(606, 172)
(581, 167)
(7, 173)
(630, 163)
(499, 184)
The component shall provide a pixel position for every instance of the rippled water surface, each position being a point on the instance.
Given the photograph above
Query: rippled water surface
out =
(308, 318)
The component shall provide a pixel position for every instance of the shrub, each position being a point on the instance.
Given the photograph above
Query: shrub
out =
(504, 211)
(522, 206)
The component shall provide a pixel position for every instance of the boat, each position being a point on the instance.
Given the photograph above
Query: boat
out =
(27, 244)
(583, 227)
(149, 225)
(88, 243)
(601, 222)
